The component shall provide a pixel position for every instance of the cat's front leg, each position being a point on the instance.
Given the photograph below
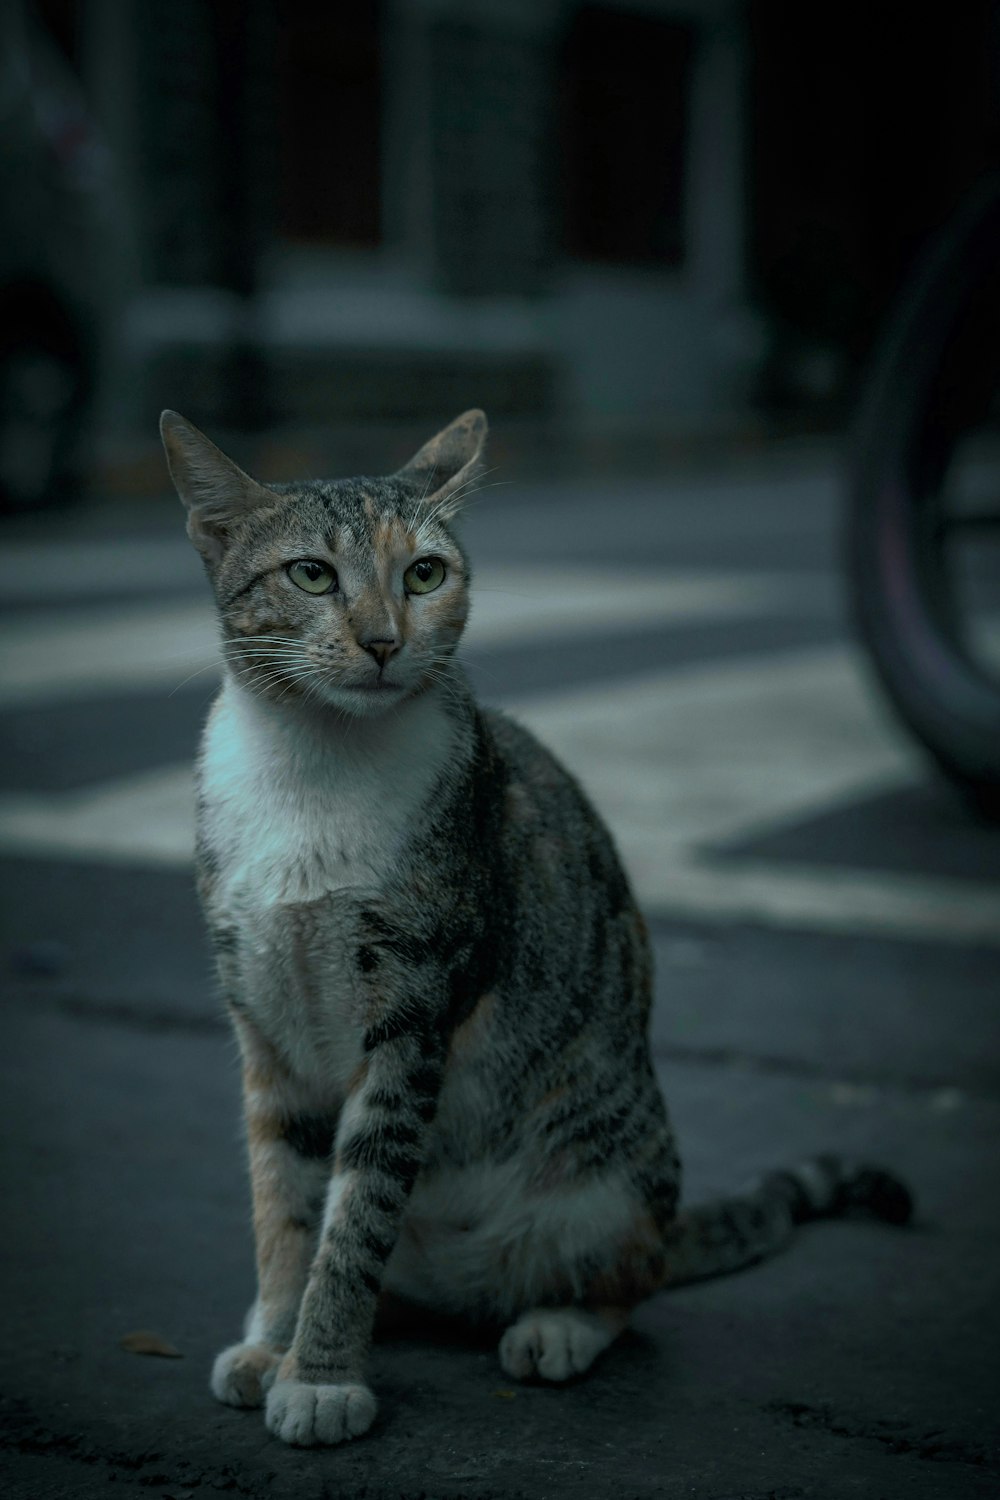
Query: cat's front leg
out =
(320, 1395)
(290, 1150)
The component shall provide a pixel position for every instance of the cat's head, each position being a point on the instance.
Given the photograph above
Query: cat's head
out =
(350, 593)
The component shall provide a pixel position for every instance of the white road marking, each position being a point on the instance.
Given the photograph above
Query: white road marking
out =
(512, 605)
(677, 762)
(40, 574)
(683, 761)
(78, 655)
(146, 820)
(75, 654)
(694, 755)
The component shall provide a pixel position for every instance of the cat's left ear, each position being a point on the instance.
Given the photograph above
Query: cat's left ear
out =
(216, 491)
(443, 468)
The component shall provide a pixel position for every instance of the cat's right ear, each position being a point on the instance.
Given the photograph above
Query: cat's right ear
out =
(445, 467)
(215, 490)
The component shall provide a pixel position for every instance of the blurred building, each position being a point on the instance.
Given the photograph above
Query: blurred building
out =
(670, 211)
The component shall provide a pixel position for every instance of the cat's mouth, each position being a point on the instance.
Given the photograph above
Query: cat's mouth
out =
(380, 685)
(377, 695)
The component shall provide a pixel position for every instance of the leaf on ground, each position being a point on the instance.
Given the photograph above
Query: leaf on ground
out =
(144, 1342)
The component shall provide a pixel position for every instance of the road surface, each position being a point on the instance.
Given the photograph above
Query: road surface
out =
(827, 927)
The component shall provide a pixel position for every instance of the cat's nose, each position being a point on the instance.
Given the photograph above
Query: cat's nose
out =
(381, 649)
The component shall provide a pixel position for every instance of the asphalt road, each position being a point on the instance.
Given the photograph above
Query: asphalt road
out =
(827, 925)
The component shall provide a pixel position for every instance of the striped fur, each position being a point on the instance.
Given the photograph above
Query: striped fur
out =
(435, 967)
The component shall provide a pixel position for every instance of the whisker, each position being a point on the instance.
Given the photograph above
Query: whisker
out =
(470, 487)
(266, 656)
(476, 662)
(269, 672)
(423, 496)
(263, 649)
(474, 485)
(244, 642)
(223, 661)
(446, 682)
(265, 673)
(273, 669)
(212, 665)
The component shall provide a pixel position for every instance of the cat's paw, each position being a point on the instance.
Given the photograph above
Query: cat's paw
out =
(242, 1374)
(309, 1414)
(553, 1342)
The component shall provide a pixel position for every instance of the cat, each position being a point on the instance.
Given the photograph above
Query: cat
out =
(432, 958)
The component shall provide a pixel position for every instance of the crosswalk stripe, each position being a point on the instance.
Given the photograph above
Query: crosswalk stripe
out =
(678, 762)
(76, 654)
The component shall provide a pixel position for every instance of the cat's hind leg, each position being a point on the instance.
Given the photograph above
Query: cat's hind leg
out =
(582, 1307)
(558, 1343)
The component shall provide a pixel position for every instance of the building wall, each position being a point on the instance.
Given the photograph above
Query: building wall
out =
(506, 256)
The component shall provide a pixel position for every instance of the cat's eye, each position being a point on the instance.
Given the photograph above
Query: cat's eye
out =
(315, 577)
(424, 576)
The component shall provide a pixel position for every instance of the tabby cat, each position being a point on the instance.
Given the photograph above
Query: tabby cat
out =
(433, 961)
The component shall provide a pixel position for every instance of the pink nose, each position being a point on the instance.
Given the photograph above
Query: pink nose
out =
(381, 650)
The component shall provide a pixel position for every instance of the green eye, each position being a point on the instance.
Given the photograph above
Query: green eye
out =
(314, 577)
(424, 576)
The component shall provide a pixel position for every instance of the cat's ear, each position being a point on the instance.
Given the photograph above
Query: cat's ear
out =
(441, 471)
(216, 492)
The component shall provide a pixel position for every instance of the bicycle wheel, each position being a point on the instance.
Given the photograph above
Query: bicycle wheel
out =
(921, 609)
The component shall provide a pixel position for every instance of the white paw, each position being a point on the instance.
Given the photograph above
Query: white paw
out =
(308, 1414)
(556, 1343)
(242, 1374)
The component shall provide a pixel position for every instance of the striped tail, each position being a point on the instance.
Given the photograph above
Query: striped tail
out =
(731, 1233)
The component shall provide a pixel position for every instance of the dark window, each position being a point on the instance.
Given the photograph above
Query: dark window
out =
(625, 116)
(330, 121)
(858, 151)
(490, 111)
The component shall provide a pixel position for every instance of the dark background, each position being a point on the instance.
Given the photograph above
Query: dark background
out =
(637, 228)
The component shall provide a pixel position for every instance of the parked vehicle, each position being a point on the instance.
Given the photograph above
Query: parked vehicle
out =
(923, 535)
(53, 263)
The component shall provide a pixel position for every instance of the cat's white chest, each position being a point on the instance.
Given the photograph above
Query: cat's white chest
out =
(292, 815)
(301, 832)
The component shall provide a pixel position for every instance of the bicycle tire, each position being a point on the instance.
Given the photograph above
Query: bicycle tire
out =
(931, 381)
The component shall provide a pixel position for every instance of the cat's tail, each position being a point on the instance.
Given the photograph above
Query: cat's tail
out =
(730, 1233)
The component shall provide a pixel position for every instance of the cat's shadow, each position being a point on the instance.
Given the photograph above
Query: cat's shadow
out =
(407, 1326)
(399, 1321)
